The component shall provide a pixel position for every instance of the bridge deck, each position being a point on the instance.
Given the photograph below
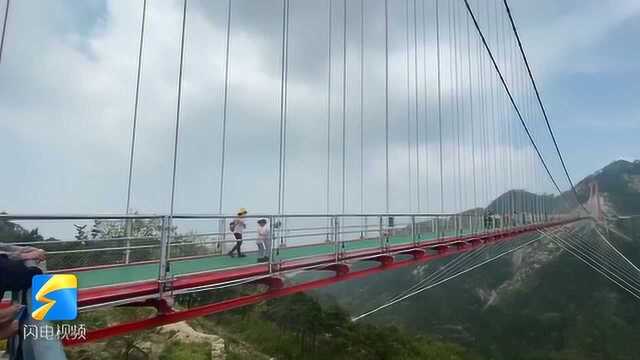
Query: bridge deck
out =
(441, 247)
(149, 271)
(193, 273)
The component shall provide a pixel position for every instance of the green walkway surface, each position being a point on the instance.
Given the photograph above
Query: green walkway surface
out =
(141, 272)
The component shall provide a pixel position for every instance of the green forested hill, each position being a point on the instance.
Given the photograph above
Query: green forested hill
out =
(561, 310)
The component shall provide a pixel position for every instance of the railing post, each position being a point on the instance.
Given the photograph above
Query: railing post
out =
(164, 255)
(221, 235)
(329, 228)
(336, 237)
(366, 227)
(271, 242)
(127, 253)
(381, 232)
(283, 234)
(414, 238)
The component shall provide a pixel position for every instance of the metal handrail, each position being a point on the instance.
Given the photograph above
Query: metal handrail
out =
(379, 225)
(63, 217)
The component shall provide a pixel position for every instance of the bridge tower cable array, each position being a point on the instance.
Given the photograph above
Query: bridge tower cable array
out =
(541, 104)
(510, 96)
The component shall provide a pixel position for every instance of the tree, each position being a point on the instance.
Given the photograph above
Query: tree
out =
(81, 235)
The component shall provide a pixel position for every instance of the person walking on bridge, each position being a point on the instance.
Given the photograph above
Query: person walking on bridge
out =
(237, 227)
(264, 240)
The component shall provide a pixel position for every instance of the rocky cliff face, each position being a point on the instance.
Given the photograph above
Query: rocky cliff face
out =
(557, 306)
(619, 184)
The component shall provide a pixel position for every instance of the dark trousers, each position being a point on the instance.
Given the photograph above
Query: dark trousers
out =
(238, 244)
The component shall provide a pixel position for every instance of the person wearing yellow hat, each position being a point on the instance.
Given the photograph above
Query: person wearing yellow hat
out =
(237, 227)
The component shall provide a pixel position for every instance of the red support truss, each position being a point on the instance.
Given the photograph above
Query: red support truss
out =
(276, 287)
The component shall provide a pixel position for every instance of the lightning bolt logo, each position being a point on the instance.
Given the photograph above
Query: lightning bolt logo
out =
(54, 297)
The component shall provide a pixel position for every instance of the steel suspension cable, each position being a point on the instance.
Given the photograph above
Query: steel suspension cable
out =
(473, 260)
(493, 143)
(498, 118)
(178, 108)
(415, 70)
(417, 291)
(455, 266)
(511, 99)
(606, 258)
(225, 109)
(509, 138)
(409, 162)
(483, 125)
(386, 100)
(4, 27)
(472, 119)
(568, 248)
(581, 258)
(458, 263)
(442, 270)
(457, 112)
(630, 270)
(439, 104)
(285, 116)
(616, 250)
(329, 107)
(362, 11)
(283, 104)
(135, 106)
(542, 108)
(426, 102)
(344, 106)
(597, 260)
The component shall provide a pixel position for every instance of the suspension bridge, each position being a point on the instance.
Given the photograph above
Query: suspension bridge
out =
(465, 166)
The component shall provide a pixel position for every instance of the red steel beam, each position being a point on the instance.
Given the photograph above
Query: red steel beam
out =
(176, 316)
(107, 294)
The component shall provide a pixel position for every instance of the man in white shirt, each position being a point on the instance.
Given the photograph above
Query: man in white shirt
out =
(264, 240)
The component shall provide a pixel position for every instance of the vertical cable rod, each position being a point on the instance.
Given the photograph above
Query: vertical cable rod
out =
(283, 80)
(415, 70)
(135, 106)
(439, 104)
(362, 11)
(386, 101)
(178, 108)
(426, 102)
(409, 177)
(328, 201)
(344, 106)
(225, 107)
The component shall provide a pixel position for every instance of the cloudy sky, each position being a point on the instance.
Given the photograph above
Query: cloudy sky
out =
(68, 76)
